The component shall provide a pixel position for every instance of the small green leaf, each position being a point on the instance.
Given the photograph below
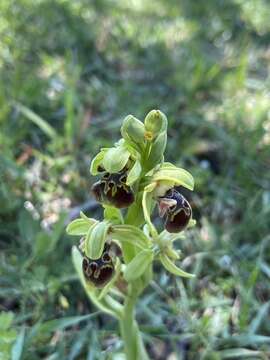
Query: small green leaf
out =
(134, 173)
(172, 268)
(138, 265)
(172, 174)
(113, 214)
(80, 226)
(97, 161)
(95, 239)
(115, 159)
(37, 120)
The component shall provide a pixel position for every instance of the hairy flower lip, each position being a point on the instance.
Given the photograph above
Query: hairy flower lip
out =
(176, 210)
(99, 271)
(112, 189)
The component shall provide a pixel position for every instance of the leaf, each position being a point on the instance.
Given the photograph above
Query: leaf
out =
(36, 119)
(177, 176)
(17, 348)
(259, 318)
(172, 268)
(115, 159)
(60, 324)
(95, 239)
(134, 173)
(80, 226)
(113, 214)
(138, 265)
(239, 353)
(97, 161)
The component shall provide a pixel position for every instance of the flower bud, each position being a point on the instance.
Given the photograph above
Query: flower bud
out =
(133, 130)
(155, 122)
(176, 209)
(112, 189)
(100, 271)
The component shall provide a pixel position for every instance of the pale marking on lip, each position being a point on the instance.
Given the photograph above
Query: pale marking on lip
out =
(164, 205)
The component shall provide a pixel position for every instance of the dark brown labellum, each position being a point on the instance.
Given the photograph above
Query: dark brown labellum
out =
(112, 189)
(100, 271)
(176, 210)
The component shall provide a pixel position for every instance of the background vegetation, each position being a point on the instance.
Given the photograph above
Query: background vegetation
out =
(69, 72)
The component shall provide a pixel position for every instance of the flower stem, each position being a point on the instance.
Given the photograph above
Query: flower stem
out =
(133, 343)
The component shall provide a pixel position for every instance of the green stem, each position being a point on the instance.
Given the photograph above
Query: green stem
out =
(133, 343)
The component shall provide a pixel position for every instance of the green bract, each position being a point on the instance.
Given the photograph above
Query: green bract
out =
(138, 265)
(116, 254)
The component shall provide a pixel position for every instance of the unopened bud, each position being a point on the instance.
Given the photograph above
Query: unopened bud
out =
(155, 122)
(133, 130)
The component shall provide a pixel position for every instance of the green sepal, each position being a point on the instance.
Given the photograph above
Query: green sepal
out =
(138, 265)
(79, 227)
(113, 215)
(133, 131)
(155, 122)
(116, 158)
(95, 239)
(134, 173)
(169, 175)
(97, 161)
(172, 268)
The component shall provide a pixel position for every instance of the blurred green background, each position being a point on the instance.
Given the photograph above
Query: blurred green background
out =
(69, 73)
